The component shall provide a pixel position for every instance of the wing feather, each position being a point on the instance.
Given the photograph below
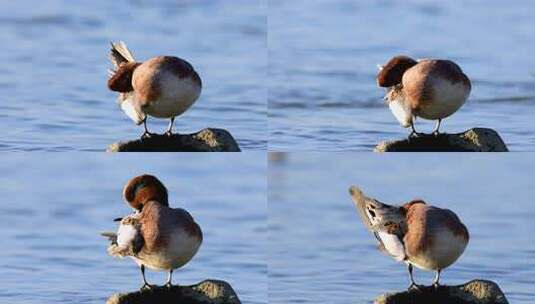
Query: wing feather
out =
(128, 241)
(391, 244)
(127, 104)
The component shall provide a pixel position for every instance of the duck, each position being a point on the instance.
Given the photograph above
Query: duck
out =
(420, 235)
(431, 89)
(161, 87)
(155, 235)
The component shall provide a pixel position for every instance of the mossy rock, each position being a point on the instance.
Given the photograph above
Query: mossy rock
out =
(206, 140)
(473, 292)
(206, 292)
(473, 140)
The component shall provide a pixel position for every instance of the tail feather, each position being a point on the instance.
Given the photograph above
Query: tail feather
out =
(117, 251)
(120, 53)
(360, 200)
(112, 237)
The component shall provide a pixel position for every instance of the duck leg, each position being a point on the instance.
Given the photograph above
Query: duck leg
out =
(169, 131)
(437, 277)
(146, 134)
(145, 284)
(413, 284)
(169, 278)
(414, 134)
(435, 131)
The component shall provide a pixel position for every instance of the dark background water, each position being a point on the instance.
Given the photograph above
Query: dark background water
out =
(54, 61)
(53, 212)
(320, 252)
(323, 56)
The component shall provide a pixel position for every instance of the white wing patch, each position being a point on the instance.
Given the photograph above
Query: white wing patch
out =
(126, 235)
(126, 101)
(128, 239)
(401, 112)
(393, 245)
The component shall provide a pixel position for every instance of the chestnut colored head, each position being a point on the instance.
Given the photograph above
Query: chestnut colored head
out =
(144, 188)
(392, 73)
(121, 81)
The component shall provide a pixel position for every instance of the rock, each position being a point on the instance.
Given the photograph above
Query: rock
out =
(206, 140)
(206, 292)
(473, 140)
(473, 292)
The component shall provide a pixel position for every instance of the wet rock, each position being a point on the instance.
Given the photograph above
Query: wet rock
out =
(473, 292)
(206, 292)
(473, 140)
(206, 140)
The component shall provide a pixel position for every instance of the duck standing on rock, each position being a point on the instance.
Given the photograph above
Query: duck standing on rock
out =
(429, 88)
(161, 87)
(155, 235)
(418, 234)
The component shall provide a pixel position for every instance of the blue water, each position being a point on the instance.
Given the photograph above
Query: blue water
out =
(54, 58)
(322, 67)
(53, 212)
(320, 252)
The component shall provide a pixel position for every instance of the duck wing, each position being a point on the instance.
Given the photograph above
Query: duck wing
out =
(128, 240)
(184, 219)
(392, 245)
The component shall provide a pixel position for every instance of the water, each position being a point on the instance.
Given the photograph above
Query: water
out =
(322, 68)
(320, 252)
(53, 213)
(55, 58)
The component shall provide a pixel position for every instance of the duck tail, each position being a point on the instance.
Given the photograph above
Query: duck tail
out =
(112, 237)
(114, 249)
(360, 201)
(120, 53)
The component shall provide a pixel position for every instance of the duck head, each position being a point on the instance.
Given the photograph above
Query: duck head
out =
(144, 188)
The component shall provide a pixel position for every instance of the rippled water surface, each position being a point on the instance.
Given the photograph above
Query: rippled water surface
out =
(323, 56)
(54, 61)
(320, 252)
(53, 213)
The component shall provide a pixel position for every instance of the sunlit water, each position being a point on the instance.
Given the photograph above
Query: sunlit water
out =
(54, 61)
(323, 56)
(320, 251)
(53, 212)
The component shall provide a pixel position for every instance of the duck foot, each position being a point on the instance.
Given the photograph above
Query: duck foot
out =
(147, 287)
(416, 287)
(170, 133)
(147, 135)
(415, 134)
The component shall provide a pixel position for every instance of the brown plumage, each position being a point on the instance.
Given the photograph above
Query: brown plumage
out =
(429, 88)
(418, 81)
(156, 236)
(425, 236)
(392, 73)
(158, 223)
(161, 87)
(141, 189)
(121, 80)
